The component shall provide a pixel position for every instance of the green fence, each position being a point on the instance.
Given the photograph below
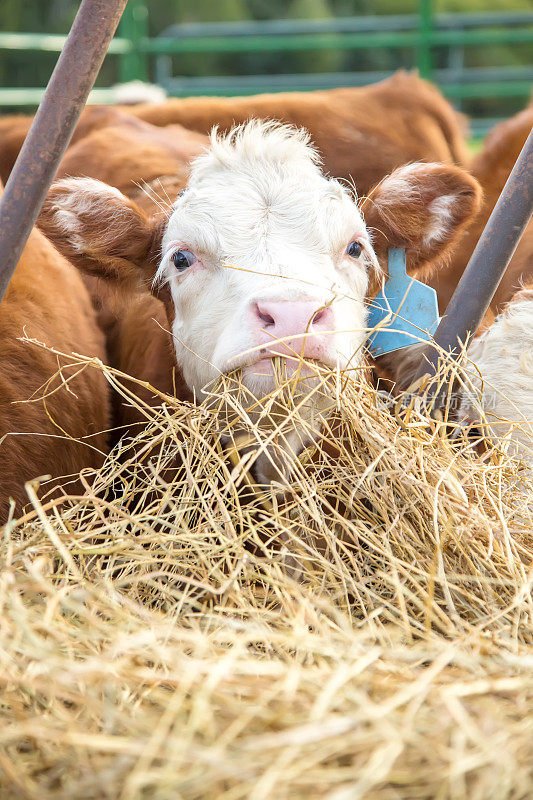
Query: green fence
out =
(422, 35)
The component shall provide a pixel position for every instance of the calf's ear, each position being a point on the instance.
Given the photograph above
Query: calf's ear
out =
(102, 232)
(423, 208)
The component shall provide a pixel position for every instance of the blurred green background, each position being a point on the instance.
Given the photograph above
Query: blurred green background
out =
(21, 68)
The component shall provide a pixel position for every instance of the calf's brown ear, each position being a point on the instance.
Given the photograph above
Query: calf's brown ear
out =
(423, 208)
(102, 232)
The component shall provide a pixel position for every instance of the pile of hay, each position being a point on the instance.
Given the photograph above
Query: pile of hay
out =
(364, 629)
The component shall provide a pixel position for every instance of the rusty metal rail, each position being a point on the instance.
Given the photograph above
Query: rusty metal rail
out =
(487, 264)
(53, 125)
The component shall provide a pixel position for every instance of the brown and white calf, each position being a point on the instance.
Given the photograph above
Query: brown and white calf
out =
(260, 255)
(64, 432)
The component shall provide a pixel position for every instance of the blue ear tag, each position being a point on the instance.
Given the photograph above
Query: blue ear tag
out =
(404, 312)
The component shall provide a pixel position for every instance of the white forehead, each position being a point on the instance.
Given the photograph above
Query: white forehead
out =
(258, 189)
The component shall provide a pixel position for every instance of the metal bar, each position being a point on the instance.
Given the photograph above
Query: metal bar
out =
(423, 54)
(402, 22)
(52, 127)
(331, 41)
(49, 42)
(487, 265)
(482, 19)
(134, 27)
(284, 27)
(482, 74)
(497, 36)
(493, 89)
(317, 40)
(352, 24)
(263, 43)
(470, 76)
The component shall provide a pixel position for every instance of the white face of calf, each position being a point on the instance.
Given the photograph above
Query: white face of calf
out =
(264, 255)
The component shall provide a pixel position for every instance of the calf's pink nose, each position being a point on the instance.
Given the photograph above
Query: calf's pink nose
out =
(302, 324)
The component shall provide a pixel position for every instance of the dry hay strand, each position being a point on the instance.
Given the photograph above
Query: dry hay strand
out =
(360, 629)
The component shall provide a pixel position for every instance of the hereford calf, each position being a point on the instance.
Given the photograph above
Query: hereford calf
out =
(62, 433)
(261, 255)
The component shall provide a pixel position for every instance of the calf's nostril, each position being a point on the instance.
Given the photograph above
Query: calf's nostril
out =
(266, 318)
(321, 315)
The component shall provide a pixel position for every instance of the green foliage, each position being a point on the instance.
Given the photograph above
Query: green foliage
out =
(325, 60)
(162, 14)
(37, 16)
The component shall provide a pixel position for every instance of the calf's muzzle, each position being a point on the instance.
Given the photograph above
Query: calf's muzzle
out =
(303, 326)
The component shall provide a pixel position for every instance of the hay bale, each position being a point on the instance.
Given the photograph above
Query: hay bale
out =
(158, 641)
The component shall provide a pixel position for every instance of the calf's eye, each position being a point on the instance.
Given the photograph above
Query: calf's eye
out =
(183, 259)
(354, 249)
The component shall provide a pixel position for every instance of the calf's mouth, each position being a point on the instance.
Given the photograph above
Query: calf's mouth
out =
(273, 429)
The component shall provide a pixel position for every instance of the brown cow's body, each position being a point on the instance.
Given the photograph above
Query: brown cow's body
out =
(47, 301)
(14, 129)
(140, 345)
(132, 152)
(492, 167)
(129, 155)
(362, 133)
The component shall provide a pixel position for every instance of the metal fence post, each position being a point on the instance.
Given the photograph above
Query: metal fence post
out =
(486, 267)
(134, 27)
(425, 27)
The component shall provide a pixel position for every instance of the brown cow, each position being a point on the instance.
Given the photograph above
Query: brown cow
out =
(149, 165)
(123, 151)
(111, 145)
(14, 129)
(492, 167)
(60, 435)
(362, 133)
(132, 152)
